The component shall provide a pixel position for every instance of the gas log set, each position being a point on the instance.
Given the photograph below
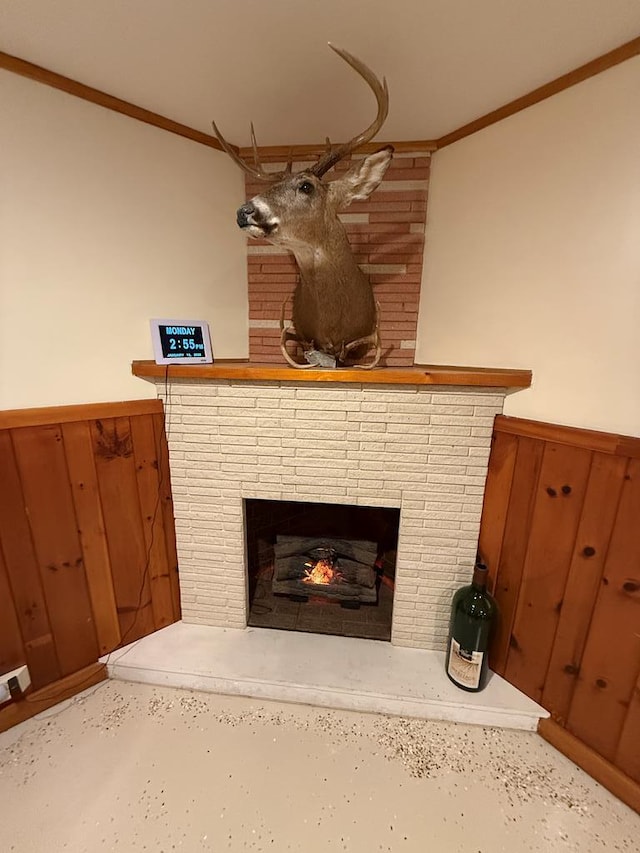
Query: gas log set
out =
(336, 569)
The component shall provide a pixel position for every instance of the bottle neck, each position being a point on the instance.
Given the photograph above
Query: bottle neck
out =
(480, 574)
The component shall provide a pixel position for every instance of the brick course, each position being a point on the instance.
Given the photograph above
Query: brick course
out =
(422, 449)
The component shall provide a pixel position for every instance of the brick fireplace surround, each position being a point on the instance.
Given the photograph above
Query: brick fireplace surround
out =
(417, 439)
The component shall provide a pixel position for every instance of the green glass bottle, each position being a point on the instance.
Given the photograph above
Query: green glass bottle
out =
(473, 612)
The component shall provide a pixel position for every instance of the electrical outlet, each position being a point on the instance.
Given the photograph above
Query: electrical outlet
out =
(13, 684)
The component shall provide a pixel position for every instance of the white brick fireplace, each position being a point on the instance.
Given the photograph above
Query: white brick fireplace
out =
(422, 448)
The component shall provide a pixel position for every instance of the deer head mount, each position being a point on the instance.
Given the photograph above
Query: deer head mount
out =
(335, 315)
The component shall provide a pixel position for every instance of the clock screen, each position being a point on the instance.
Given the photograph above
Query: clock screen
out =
(182, 341)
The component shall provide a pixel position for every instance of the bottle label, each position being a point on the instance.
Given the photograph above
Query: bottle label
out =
(464, 666)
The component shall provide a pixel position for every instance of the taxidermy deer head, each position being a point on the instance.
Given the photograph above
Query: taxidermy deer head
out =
(335, 315)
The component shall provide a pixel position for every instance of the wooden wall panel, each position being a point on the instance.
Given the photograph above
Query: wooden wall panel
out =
(115, 466)
(585, 572)
(147, 472)
(23, 573)
(504, 449)
(81, 555)
(93, 538)
(508, 573)
(556, 513)
(611, 663)
(627, 756)
(567, 583)
(49, 505)
(12, 652)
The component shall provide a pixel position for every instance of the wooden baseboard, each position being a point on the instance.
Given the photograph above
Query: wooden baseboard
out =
(609, 776)
(47, 697)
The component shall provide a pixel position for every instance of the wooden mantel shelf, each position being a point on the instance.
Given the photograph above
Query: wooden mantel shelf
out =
(244, 371)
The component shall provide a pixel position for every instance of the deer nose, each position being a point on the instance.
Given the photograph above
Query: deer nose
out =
(244, 214)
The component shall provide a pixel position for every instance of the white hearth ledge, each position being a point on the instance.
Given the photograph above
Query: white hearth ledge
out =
(316, 669)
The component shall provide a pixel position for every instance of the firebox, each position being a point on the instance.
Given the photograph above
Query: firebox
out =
(321, 567)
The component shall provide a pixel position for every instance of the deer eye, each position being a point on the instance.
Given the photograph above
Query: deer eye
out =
(306, 187)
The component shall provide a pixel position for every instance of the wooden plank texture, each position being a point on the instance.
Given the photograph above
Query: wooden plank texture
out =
(43, 471)
(417, 375)
(146, 460)
(568, 588)
(12, 651)
(611, 662)
(602, 442)
(83, 568)
(93, 539)
(556, 514)
(22, 569)
(496, 500)
(13, 418)
(115, 467)
(516, 533)
(590, 549)
(164, 485)
(627, 756)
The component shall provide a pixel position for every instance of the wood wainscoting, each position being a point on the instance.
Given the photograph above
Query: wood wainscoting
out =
(561, 535)
(87, 542)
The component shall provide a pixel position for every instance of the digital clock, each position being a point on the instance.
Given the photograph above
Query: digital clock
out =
(181, 340)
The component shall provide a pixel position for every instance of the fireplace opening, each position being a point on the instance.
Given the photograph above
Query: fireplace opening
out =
(322, 568)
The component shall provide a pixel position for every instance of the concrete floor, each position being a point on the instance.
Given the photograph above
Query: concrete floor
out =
(135, 767)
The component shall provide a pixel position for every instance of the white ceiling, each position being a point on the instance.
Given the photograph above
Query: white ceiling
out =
(447, 62)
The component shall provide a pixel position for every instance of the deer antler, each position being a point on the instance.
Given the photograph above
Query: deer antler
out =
(332, 155)
(380, 90)
(257, 171)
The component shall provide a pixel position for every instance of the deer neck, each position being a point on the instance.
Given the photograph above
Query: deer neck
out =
(328, 260)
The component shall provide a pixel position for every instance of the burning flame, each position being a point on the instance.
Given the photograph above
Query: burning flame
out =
(321, 572)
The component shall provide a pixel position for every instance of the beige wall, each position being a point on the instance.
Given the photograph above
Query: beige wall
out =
(533, 250)
(104, 223)
(533, 254)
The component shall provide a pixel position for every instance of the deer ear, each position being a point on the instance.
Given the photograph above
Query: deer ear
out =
(362, 179)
